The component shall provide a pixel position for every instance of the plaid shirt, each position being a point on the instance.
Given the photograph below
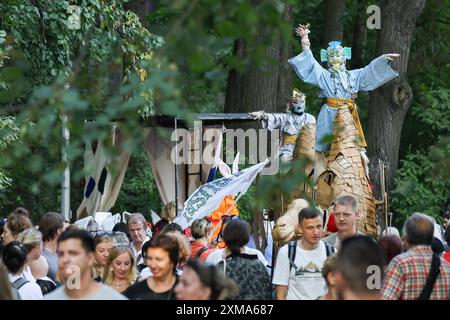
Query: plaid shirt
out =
(407, 273)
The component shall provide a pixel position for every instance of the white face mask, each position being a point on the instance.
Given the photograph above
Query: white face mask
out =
(298, 107)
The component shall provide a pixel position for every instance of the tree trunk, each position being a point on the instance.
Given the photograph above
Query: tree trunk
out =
(389, 104)
(262, 86)
(266, 85)
(359, 36)
(334, 26)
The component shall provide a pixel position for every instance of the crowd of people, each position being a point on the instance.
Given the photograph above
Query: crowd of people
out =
(55, 260)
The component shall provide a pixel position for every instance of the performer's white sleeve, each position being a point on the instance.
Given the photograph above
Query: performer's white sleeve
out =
(308, 69)
(374, 75)
(274, 121)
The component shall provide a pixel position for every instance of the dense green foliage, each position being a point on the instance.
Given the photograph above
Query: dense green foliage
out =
(419, 185)
(422, 181)
(101, 72)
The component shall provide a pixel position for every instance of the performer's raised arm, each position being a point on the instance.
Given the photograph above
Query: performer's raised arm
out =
(302, 31)
(304, 64)
(270, 121)
(376, 73)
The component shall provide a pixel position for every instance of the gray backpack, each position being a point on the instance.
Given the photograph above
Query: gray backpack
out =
(16, 285)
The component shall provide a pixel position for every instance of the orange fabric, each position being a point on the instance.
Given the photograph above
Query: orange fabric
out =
(221, 245)
(350, 104)
(196, 246)
(216, 215)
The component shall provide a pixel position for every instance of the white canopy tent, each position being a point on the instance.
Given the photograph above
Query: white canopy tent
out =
(105, 174)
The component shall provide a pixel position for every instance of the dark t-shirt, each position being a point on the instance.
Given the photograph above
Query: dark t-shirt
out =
(141, 291)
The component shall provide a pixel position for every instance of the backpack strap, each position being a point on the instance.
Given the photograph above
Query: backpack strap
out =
(199, 252)
(431, 279)
(292, 250)
(19, 283)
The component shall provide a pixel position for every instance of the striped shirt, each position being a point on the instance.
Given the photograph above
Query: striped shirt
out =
(407, 273)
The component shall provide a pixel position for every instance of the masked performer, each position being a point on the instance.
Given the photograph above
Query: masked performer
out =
(343, 168)
(297, 127)
(338, 86)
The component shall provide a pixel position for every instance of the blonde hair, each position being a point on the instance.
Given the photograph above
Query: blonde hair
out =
(167, 210)
(31, 238)
(5, 285)
(108, 275)
(102, 239)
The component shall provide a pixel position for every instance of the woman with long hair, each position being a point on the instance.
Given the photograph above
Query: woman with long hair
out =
(103, 246)
(36, 266)
(6, 292)
(32, 240)
(120, 270)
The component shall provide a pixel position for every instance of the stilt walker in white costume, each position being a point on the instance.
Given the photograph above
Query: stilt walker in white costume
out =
(341, 169)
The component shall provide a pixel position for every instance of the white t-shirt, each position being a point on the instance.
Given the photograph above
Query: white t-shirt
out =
(29, 291)
(105, 293)
(146, 272)
(218, 255)
(307, 282)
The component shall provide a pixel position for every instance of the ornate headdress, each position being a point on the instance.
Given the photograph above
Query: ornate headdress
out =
(335, 55)
(297, 93)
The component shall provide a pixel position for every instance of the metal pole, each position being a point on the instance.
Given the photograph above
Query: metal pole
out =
(65, 185)
(176, 167)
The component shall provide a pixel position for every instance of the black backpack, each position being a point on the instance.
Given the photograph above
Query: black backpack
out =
(292, 250)
(46, 286)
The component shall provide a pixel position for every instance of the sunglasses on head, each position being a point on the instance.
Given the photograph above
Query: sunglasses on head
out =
(230, 218)
(102, 233)
(122, 245)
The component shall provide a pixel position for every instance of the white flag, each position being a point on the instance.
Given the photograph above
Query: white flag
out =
(207, 198)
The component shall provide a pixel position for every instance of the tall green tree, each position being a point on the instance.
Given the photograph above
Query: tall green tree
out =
(264, 83)
(389, 104)
(334, 21)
